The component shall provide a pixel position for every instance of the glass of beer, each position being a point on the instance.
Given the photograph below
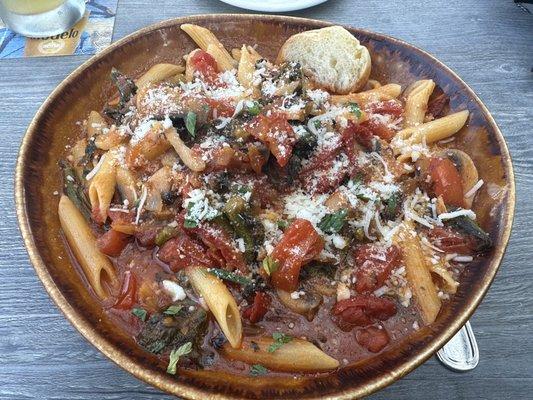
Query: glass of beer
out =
(40, 18)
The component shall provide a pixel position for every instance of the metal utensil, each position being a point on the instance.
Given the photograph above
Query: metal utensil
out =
(461, 352)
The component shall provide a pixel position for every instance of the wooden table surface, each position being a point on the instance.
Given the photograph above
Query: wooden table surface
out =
(488, 43)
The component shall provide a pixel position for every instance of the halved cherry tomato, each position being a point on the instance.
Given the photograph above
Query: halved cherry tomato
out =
(128, 294)
(451, 241)
(182, 252)
(446, 181)
(299, 245)
(258, 309)
(205, 65)
(217, 238)
(362, 310)
(112, 242)
(372, 338)
(362, 134)
(276, 132)
(374, 266)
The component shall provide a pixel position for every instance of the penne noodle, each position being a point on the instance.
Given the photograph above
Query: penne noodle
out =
(95, 124)
(158, 183)
(96, 266)
(219, 54)
(418, 273)
(382, 93)
(102, 186)
(191, 160)
(246, 69)
(203, 38)
(159, 73)
(236, 54)
(254, 52)
(450, 284)
(295, 356)
(416, 103)
(220, 302)
(126, 185)
(109, 138)
(77, 153)
(435, 130)
(149, 147)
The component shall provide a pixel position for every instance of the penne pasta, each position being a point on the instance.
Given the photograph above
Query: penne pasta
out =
(204, 38)
(236, 54)
(296, 355)
(381, 93)
(126, 185)
(191, 160)
(158, 183)
(246, 68)
(220, 302)
(102, 187)
(159, 73)
(431, 132)
(109, 138)
(418, 273)
(416, 102)
(149, 147)
(219, 54)
(95, 124)
(96, 266)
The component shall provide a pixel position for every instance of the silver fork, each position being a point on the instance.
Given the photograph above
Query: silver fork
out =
(461, 352)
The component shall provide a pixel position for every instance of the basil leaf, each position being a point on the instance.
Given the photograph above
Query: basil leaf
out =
(190, 123)
(139, 313)
(354, 109)
(258, 369)
(270, 265)
(229, 276)
(279, 340)
(333, 223)
(173, 310)
(254, 109)
(175, 357)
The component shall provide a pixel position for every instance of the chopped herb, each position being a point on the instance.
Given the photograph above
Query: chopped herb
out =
(139, 313)
(270, 265)
(165, 234)
(229, 276)
(253, 109)
(190, 123)
(354, 109)
(333, 223)
(279, 340)
(317, 124)
(283, 224)
(74, 189)
(392, 206)
(190, 223)
(175, 357)
(258, 369)
(173, 310)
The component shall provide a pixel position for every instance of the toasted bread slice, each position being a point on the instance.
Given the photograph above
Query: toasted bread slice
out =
(332, 57)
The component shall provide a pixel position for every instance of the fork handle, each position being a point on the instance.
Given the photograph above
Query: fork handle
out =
(461, 352)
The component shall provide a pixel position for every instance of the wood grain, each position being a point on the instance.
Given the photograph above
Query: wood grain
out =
(488, 43)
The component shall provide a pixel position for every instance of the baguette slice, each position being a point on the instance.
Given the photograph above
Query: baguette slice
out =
(331, 57)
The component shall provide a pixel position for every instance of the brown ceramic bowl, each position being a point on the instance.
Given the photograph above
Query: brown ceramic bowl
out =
(88, 87)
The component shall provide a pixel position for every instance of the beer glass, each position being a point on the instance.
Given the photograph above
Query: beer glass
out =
(41, 18)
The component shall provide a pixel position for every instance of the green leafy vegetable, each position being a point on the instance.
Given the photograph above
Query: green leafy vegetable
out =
(355, 109)
(126, 89)
(283, 224)
(139, 313)
(74, 190)
(333, 223)
(230, 276)
(470, 227)
(270, 265)
(317, 124)
(258, 369)
(279, 340)
(254, 109)
(392, 206)
(190, 123)
(173, 310)
(165, 234)
(175, 357)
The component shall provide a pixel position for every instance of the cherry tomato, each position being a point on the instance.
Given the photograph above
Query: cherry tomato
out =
(451, 241)
(362, 310)
(299, 245)
(205, 65)
(374, 266)
(112, 242)
(373, 338)
(446, 181)
(182, 252)
(276, 132)
(258, 309)
(128, 294)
